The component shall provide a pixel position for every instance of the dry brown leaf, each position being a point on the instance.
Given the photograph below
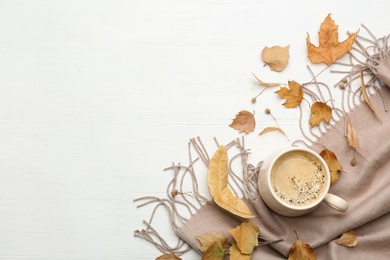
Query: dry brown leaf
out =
(244, 122)
(329, 49)
(348, 239)
(276, 57)
(293, 95)
(236, 254)
(207, 240)
(351, 135)
(214, 252)
(320, 111)
(266, 84)
(170, 256)
(272, 129)
(246, 236)
(217, 179)
(334, 165)
(366, 97)
(301, 251)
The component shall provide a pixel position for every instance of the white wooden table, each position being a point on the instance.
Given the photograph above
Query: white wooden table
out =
(97, 97)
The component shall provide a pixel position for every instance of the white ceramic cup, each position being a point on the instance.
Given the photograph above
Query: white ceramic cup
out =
(278, 205)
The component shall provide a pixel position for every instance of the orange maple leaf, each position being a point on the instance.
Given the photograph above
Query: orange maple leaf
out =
(320, 111)
(293, 96)
(329, 49)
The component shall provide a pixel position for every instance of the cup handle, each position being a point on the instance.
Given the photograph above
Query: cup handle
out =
(336, 202)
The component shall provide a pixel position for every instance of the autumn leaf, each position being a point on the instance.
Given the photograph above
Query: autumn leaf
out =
(207, 240)
(272, 129)
(217, 179)
(293, 94)
(351, 135)
(266, 84)
(320, 111)
(246, 236)
(366, 97)
(244, 122)
(214, 252)
(334, 165)
(276, 57)
(301, 251)
(348, 239)
(329, 49)
(170, 256)
(236, 254)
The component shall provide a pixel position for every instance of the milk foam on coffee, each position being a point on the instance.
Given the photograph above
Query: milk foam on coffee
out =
(298, 178)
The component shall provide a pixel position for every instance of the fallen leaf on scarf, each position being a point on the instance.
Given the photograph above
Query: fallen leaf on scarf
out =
(293, 94)
(214, 252)
(348, 239)
(170, 256)
(246, 236)
(366, 97)
(334, 165)
(351, 135)
(244, 122)
(320, 111)
(329, 49)
(207, 240)
(276, 57)
(266, 84)
(272, 129)
(217, 180)
(236, 254)
(300, 250)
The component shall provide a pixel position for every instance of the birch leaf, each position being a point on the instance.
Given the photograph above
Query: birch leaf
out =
(348, 239)
(170, 256)
(366, 97)
(214, 252)
(244, 122)
(272, 129)
(334, 165)
(207, 240)
(236, 254)
(320, 111)
(293, 94)
(217, 179)
(276, 57)
(246, 236)
(351, 135)
(301, 251)
(329, 49)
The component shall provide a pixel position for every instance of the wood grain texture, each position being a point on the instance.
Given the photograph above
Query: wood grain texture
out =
(97, 97)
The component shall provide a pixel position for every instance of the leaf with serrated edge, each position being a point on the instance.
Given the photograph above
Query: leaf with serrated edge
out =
(208, 239)
(293, 94)
(334, 165)
(320, 111)
(300, 250)
(244, 122)
(217, 179)
(236, 254)
(246, 236)
(351, 135)
(214, 252)
(276, 57)
(348, 239)
(170, 256)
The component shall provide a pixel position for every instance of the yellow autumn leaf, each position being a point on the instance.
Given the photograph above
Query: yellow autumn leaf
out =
(272, 129)
(214, 252)
(320, 111)
(329, 49)
(351, 135)
(170, 256)
(208, 239)
(293, 94)
(301, 251)
(276, 57)
(266, 84)
(217, 179)
(236, 254)
(244, 122)
(246, 236)
(348, 239)
(334, 165)
(366, 97)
